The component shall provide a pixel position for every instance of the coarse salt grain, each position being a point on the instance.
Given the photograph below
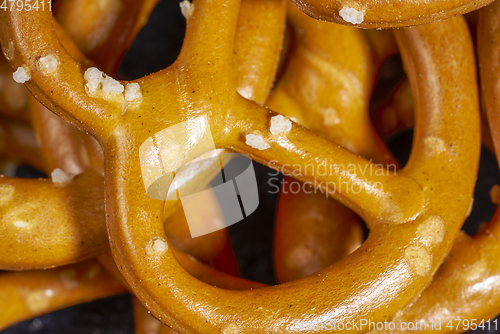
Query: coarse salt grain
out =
(257, 142)
(60, 176)
(21, 75)
(133, 92)
(94, 79)
(159, 245)
(186, 8)
(48, 64)
(112, 86)
(280, 124)
(351, 15)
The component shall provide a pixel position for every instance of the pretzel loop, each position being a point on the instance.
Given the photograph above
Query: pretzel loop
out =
(413, 217)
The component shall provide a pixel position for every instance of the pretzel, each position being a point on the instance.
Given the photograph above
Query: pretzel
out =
(131, 268)
(26, 294)
(91, 123)
(385, 14)
(59, 158)
(311, 230)
(397, 115)
(29, 208)
(453, 293)
(464, 287)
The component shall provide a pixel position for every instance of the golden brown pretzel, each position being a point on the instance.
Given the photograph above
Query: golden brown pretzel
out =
(30, 208)
(121, 232)
(464, 292)
(311, 230)
(59, 158)
(26, 294)
(385, 14)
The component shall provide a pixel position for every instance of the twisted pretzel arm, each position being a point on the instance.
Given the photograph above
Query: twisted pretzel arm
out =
(62, 92)
(327, 84)
(386, 14)
(465, 286)
(135, 223)
(326, 88)
(26, 294)
(255, 65)
(72, 213)
(136, 233)
(257, 46)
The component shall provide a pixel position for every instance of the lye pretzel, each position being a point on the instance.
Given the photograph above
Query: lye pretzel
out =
(27, 294)
(69, 141)
(215, 89)
(453, 302)
(311, 230)
(385, 14)
(420, 264)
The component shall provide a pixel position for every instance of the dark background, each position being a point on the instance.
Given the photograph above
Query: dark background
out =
(156, 48)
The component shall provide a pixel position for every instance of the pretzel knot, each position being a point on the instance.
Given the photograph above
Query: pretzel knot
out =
(150, 127)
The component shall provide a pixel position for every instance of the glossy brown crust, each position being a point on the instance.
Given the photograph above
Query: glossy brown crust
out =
(27, 294)
(327, 84)
(257, 46)
(134, 220)
(72, 212)
(465, 287)
(488, 46)
(388, 13)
